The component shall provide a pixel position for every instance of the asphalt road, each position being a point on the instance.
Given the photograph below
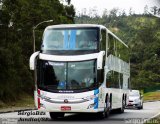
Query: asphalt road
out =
(130, 116)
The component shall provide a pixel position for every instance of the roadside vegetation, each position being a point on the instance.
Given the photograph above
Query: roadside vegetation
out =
(142, 34)
(25, 101)
(151, 96)
(18, 17)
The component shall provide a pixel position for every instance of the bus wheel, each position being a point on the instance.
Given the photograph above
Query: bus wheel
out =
(110, 101)
(56, 115)
(108, 107)
(121, 110)
(123, 105)
(101, 115)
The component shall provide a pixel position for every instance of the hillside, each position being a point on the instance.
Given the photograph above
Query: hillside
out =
(142, 34)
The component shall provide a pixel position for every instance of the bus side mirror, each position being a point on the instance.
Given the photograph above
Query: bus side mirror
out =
(100, 59)
(32, 60)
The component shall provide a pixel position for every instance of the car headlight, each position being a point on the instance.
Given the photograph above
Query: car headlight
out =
(136, 100)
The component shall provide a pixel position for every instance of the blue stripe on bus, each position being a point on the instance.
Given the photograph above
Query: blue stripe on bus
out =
(96, 103)
(96, 99)
(73, 39)
(66, 39)
(96, 91)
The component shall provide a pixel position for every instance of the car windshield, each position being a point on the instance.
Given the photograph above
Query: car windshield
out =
(67, 75)
(133, 94)
(70, 39)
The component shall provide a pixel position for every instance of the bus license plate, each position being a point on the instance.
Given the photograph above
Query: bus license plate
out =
(65, 108)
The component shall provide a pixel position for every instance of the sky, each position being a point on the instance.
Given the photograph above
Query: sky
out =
(136, 5)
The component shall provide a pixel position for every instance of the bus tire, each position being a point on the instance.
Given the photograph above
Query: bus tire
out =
(101, 115)
(121, 110)
(123, 105)
(56, 115)
(107, 102)
(110, 100)
(125, 100)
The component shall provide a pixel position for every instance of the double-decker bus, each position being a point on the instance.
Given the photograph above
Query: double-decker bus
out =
(81, 68)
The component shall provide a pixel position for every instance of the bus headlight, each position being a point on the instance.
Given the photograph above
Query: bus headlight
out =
(44, 97)
(88, 98)
(42, 106)
(91, 106)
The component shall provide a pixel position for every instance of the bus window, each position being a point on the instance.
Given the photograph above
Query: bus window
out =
(112, 80)
(71, 39)
(67, 75)
(111, 45)
(100, 76)
(88, 40)
(118, 49)
(53, 40)
(103, 40)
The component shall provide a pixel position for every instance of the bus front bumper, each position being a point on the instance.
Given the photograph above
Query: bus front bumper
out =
(85, 107)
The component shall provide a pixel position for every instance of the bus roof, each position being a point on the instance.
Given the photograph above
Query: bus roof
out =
(117, 38)
(76, 26)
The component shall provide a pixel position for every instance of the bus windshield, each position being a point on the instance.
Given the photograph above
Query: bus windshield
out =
(70, 39)
(67, 75)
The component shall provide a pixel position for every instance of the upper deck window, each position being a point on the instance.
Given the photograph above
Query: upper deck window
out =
(70, 39)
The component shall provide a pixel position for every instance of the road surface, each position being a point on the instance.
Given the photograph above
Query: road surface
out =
(130, 116)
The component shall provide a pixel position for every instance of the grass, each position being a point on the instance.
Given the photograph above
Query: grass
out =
(152, 96)
(25, 101)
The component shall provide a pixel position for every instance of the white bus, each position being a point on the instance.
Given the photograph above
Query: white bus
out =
(81, 68)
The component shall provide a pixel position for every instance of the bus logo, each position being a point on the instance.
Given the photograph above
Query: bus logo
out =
(66, 101)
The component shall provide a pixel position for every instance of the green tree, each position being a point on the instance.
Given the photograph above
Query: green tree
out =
(18, 19)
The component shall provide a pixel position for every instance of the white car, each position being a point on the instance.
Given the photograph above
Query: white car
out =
(135, 100)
